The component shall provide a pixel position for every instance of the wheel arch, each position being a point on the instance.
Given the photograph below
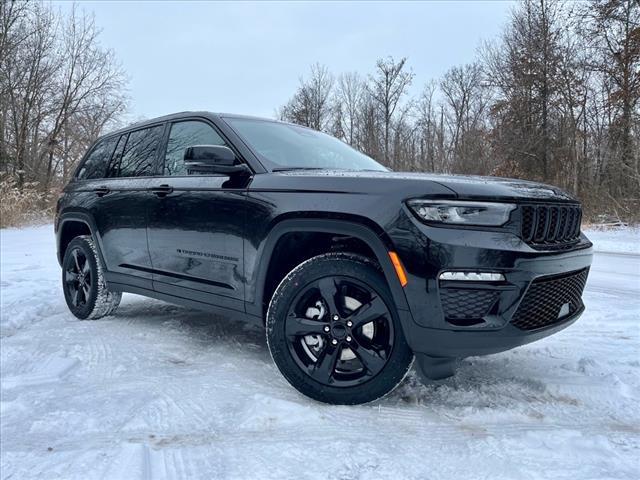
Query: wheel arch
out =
(376, 241)
(71, 225)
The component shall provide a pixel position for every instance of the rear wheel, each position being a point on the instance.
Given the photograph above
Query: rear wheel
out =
(334, 333)
(85, 289)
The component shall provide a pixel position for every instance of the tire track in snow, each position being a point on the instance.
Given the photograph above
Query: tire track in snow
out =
(313, 435)
(132, 462)
(188, 396)
(53, 371)
(141, 461)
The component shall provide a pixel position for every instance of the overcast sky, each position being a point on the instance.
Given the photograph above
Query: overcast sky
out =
(246, 57)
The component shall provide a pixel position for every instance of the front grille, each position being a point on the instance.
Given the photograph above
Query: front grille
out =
(464, 306)
(551, 226)
(550, 300)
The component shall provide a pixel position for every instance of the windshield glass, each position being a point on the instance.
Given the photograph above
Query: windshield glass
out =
(282, 146)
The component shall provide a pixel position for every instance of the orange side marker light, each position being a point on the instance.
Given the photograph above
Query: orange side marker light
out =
(402, 276)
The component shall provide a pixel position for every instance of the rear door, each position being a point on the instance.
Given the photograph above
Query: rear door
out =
(122, 201)
(196, 224)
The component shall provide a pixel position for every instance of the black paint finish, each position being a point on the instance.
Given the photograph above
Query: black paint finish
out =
(206, 240)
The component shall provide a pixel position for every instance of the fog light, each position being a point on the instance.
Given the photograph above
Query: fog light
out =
(472, 276)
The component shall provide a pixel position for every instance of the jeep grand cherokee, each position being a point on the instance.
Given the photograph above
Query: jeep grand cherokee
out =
(354, 269)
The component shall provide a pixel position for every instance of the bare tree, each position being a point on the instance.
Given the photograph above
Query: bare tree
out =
(524, 69)
(348, 101)
(555, 98)
(310, 105)
(613, 32)
(54, 78)
(465, 102)
(427, 130)
(386, 88)
(27, 69)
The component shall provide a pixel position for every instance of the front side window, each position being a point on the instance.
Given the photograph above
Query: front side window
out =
(183, 135)
(139, 154)
(282, 146)
(95, 165)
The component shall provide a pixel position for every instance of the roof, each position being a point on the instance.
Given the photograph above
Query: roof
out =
(178, 115)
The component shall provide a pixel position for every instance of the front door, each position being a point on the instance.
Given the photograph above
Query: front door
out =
(196, 225)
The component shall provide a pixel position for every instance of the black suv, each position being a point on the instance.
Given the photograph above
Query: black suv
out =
(355, 269)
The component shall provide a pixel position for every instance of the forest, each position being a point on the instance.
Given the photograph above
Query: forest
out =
(555, 98)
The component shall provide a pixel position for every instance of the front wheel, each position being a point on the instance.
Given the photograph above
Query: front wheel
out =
(85, 289)
(334, 333)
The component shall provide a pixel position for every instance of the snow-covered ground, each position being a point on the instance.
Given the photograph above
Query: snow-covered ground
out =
(159, 391)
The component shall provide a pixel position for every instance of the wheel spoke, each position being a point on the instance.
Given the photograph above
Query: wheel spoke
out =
(368, 312)
(323, 369)
(299, 326)
(370, 358)
(74, 297)
(70, 277)
(339, 332)
(328, 291)
(75, 259)
(85, 291)
(86, 267)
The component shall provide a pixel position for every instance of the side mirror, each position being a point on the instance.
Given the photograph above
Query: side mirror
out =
(212, 159)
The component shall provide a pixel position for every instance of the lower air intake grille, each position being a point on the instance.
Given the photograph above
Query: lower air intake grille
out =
(551, 300)
(462, 305)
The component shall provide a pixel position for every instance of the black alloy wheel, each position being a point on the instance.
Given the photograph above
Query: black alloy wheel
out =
(334, 333)
(78, 278)
(339, 331)
(83, 283)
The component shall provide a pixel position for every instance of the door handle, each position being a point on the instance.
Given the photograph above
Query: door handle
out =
(162, 190)
(101, 191)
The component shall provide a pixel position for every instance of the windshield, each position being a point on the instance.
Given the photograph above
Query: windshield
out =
(282, 146)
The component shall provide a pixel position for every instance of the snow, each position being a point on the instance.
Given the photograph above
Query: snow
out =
(159, 391)
(617, 239)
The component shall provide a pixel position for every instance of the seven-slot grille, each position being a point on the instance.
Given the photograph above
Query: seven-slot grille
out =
(551, 300)
(549, 226)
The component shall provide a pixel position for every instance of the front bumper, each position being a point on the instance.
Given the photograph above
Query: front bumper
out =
(430, 326)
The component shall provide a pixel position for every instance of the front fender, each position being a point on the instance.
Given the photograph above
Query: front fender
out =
(322, 225)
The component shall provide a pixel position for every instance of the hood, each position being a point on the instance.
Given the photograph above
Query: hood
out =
(423, 184)
(473, 186)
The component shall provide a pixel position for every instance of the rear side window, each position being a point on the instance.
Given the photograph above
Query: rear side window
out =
(183, 135)
(136, 153)
(95, 165)
(117, 156)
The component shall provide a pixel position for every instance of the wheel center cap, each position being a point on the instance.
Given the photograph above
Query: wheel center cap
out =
(339, 330)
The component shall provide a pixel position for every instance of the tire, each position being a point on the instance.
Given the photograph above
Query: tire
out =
(83, 283)
(334, 333)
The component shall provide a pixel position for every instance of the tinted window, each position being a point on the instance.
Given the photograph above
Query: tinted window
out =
(96, 163)
(139, 155)
(183, 135)
(285, 146)
(117, 156)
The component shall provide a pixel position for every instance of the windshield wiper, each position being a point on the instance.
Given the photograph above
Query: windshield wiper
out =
(286, 169)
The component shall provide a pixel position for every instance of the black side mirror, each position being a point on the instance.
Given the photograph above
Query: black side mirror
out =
(200, 159)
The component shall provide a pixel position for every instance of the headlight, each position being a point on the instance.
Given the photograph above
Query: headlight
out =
(462, 213)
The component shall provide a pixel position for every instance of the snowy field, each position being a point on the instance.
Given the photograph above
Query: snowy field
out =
(159, 391)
